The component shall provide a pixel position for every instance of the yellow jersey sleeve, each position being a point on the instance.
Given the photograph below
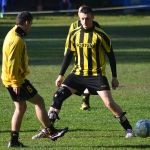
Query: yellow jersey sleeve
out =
(15, 60)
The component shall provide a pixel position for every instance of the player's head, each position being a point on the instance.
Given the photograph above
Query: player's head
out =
(86, 17)
(24, 19)
(79, 10)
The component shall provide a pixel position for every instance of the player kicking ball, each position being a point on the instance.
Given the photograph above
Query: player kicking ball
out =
(14, 72)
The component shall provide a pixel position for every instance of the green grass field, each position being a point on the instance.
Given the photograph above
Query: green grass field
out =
(94, 129)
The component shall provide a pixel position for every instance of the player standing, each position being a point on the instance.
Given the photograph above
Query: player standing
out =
(89, 45)
(86, 95)
(14, 72)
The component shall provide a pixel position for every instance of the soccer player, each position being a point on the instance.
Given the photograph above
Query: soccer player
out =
(14, 71)
(86, 95)
(89, 45)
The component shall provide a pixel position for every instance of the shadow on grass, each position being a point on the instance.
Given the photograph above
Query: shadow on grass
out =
(102, 146)
(125, 146)
(127, 40)
(7, 131)
(62, 31)
(121, 57)
(70, 130)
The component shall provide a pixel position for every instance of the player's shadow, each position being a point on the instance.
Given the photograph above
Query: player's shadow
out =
(100, 146)
(8, 131)
(70, 130)
(125, 146)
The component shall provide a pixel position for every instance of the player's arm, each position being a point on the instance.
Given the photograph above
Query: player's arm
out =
(66, 62)
(69, 52)
(14, 63)
(107, 46)
(112, 62)
(71, 28)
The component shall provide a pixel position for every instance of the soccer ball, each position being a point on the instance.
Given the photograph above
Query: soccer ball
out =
(142, 128)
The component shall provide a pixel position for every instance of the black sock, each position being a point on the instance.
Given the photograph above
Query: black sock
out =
(85, 98)
(126, 125)
(14, 136)
(124, 121)
(50, 129)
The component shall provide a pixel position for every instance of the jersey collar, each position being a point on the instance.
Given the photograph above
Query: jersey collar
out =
(87, 30)
(20, 31)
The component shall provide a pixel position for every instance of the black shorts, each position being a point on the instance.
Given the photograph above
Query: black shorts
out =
(92, 83)
(27, 91)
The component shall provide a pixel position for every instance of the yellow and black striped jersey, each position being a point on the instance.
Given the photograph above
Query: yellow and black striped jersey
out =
(15, 59)
(89, 48)
(76, 25)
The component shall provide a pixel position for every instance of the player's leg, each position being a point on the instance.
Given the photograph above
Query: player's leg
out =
(49, 131)
(60, 95)
(20, 108)
(101, 85)
(69, 87)
(31, 95)
(116, 110)
(40, 110)
(85, 100)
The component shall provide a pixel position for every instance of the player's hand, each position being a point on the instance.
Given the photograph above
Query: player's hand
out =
(115, 83)
(59, 80)
(16, 90)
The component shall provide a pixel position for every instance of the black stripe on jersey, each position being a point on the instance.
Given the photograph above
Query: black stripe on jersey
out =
(90, 54)
(104, 36)
(71, 34)
(81, 52)
(76, 58)
(98, 56)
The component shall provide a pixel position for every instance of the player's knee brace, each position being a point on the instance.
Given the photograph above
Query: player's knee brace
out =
(58, 98)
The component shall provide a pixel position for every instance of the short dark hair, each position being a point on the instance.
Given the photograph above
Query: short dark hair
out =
(23, 17)
(86, 10)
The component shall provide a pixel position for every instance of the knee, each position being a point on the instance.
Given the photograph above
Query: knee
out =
(61, 94)
(39, 101)
(21, 109)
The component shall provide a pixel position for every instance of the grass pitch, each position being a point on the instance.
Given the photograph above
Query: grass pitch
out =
(94, 129)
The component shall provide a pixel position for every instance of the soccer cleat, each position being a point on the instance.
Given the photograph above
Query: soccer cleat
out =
(129, 133)
(84, 106)
(15, 144)
(57, 133)
(42, 134)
